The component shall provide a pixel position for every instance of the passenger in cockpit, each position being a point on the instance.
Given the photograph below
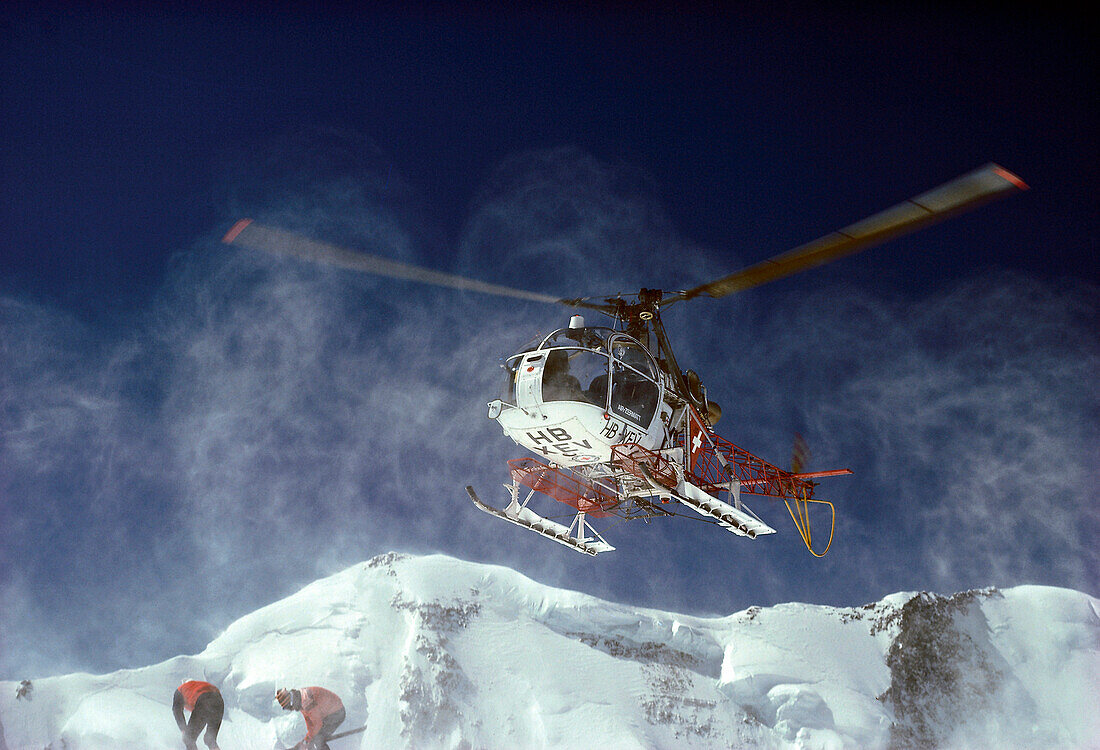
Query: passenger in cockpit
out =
(597, 390)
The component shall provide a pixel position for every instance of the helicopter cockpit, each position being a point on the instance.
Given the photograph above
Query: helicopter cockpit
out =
(592, 384)
(598, 366)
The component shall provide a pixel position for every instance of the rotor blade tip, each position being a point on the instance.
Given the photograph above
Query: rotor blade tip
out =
(237, 229)
(1002, 172)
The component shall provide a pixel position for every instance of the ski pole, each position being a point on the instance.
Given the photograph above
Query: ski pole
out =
(338, 736)
(349, 732)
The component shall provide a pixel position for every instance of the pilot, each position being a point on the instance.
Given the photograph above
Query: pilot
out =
(557, 382)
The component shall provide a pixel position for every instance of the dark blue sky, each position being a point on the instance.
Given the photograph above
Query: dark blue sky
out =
(183, 424)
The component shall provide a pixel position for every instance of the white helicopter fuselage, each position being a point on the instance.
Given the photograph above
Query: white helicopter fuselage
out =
(580, 392)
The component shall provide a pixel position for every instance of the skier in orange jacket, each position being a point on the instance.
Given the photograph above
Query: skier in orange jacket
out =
(206, 706)
(323, 711)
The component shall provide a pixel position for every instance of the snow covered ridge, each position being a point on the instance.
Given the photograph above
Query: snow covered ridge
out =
(433, 652)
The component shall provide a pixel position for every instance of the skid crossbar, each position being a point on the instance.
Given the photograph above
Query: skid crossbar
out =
(564, 487)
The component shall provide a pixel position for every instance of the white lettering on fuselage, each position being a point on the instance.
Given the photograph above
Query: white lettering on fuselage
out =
(629, 412)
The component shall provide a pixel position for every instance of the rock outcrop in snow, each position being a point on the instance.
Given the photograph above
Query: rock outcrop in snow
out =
(433, 652)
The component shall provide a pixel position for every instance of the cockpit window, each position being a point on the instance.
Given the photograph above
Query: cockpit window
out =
(630, 353)
(599, 366)
(575, 375)
(508, 394)
(634, 390)
(558, 383)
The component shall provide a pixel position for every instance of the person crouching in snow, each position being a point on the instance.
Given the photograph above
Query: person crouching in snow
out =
(323, 711)
(206, 706)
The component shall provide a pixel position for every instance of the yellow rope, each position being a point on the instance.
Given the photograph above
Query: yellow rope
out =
(802, 522)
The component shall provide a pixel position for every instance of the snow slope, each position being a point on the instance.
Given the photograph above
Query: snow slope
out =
(433, 652)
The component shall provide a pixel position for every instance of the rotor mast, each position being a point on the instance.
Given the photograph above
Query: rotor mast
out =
(640, 318)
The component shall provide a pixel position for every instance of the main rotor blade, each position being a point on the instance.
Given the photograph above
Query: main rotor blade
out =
(968, 191)
(247, 233)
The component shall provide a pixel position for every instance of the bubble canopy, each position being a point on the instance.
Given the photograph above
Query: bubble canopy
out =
(593, 365)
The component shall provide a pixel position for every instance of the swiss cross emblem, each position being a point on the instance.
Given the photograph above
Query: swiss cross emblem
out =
(697, 429)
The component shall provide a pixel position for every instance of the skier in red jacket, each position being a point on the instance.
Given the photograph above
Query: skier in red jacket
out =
(206, 706)
(323, 711)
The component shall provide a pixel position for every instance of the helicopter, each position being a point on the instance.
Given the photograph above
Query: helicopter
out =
(618, 430)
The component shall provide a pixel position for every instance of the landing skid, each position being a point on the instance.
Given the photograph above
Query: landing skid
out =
(521, 515)
(725, 515)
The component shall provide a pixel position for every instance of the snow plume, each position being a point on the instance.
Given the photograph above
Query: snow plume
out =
(266, 421)
(262, 422)
(977, 669)
(82, 479)
(947, 682)
(969, 416)
(560, 220)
